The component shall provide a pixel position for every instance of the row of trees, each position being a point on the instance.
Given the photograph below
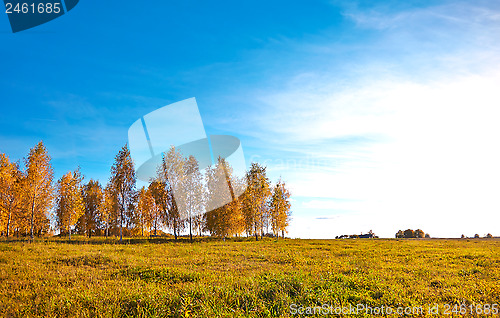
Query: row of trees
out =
(409, 233)
(26, 196)
(370, 234)
(477, 236)
(175, 199)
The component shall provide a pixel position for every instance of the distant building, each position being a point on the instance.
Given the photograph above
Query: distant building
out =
(369, 235)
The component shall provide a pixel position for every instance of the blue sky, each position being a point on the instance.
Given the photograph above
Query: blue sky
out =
(378, 115)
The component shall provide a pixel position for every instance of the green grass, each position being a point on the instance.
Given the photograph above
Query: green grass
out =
(240, 278)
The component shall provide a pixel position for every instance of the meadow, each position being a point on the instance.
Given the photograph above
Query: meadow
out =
(243, 278)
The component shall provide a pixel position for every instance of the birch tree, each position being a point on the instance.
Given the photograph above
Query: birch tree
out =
(93, 199)
(280, 209)
(110, 210)
(159, 214)
(69, 201)
(172, 173)
(123, 180)
(147, 213)
(193, 186)
(39, 188)
(11, 194)
(255, 199)
(224, 216)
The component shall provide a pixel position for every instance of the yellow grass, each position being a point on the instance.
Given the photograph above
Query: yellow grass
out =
(242, 278)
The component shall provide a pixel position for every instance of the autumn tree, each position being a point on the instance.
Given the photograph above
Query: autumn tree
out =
(171, 173)
(409, 233)
(223, 221)
(238, 220)
(234, 208)
(142, 209)
(217, 194)
(193, 186)
(146, 210)
(93, 199)
(255, 199)
(223, 217)
(69, 202)
(130, 216)
(161, 201)
(39, 188)
(123, 183)
(419, 233)
(11, 195)
(280, 209)
(110, 209)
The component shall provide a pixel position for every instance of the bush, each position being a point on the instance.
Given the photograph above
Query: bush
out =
(419, 233)
(409, 233)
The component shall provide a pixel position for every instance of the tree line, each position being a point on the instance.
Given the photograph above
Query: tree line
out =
(30, 199)
(409, 233)
(477, 236)
(370, 234)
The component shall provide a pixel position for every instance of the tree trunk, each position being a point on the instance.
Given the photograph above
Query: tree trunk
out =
(121, 225)
(175, 229)
(32, 216)
(69, 225)
(256, 231)
(190, 234)
(8, 221)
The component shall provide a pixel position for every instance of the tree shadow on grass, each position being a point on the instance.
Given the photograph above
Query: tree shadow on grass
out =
(98, 240)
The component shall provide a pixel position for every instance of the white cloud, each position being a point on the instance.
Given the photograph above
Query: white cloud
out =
(411, 138)
(439, 165)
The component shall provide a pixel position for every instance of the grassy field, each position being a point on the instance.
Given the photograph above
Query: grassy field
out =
(162, 278)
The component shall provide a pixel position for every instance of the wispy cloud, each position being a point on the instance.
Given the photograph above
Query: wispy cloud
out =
(420, 122)
(463, 14)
